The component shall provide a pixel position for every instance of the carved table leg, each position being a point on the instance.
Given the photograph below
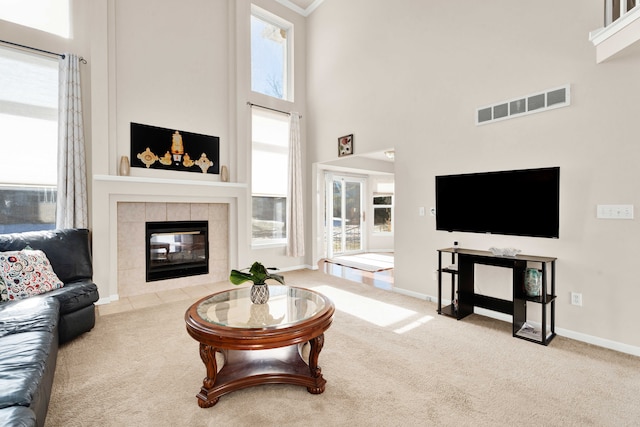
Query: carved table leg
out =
(316, 371)
(208, 356)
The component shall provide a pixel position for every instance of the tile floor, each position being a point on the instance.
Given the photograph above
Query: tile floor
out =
(157, 298)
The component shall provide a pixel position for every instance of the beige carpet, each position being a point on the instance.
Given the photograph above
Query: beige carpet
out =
(389, 360)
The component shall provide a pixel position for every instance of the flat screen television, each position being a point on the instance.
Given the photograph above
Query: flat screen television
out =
(522, 202)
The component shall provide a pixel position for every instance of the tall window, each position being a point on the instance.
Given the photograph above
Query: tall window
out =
(51, 16)
(270, 58)
(29, 134)
(269, 176)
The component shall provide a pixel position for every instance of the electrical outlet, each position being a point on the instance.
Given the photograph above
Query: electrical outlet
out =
(576, 299)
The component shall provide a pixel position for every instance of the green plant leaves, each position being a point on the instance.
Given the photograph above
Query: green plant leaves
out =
(257, 274)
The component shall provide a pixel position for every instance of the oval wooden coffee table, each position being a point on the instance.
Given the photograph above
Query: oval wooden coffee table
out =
(260, 343)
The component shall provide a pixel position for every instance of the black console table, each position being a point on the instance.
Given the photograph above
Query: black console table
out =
(464, 298)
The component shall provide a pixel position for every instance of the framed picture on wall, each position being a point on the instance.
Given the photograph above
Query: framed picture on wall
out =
(155, 147)
(345, 145)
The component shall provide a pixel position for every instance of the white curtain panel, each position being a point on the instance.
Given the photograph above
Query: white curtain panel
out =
(72, 206)
(295, 221)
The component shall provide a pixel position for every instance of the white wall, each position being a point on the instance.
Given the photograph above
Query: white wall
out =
(377, 241)
(182, 65)
(171, 71)
(414, 72)
(403, 74)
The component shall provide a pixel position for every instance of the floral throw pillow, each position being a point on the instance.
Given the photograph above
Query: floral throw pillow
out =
(3, 291)
(26, 273)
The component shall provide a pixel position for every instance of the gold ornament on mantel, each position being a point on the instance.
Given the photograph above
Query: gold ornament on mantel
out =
(177, 147)
(166, 159)
(186, 161)
(147, 157)
(204, 163)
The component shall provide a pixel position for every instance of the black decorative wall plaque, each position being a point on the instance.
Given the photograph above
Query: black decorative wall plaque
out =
(160, 148)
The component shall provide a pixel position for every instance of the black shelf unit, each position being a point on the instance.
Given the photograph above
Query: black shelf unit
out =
(452, 270)
(461, 272)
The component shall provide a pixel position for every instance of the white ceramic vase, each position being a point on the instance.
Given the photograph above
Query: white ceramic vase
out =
(124, 166)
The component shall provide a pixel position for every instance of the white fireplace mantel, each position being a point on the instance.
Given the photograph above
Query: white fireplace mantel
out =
(165, 181)
(109, 190)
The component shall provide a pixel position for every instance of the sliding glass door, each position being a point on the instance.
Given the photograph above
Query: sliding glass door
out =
(345, 219)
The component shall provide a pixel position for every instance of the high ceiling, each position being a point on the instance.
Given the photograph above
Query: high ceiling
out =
(303, 7)
(302, 3)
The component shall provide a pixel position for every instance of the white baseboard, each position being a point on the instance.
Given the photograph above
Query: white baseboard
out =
(578, 336)
(414, 294)
(600, 342)
(107, 300)
(493, 314)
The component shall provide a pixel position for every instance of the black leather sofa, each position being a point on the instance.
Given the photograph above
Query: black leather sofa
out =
(31, 329)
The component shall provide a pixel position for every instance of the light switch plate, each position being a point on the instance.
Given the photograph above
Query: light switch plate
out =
(615, 212)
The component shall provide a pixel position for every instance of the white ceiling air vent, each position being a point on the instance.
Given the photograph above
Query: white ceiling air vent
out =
(517, 107)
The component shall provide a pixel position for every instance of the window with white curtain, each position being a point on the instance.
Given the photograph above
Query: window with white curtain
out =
(269, 176)
(29, 135)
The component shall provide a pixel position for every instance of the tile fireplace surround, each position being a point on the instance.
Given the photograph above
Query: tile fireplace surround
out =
(131, 243)
(122, 204)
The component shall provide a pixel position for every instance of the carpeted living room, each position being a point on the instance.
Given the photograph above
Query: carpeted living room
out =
(446, 189)
(388, 359)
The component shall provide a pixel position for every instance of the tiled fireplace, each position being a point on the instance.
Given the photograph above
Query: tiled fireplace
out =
(131, 243)
(176, 249)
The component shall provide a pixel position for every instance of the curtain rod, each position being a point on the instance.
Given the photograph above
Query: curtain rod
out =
(33, 48)
(61, 55)
(251, 104)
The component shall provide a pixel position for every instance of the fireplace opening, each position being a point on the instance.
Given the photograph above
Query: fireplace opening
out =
(176, 249)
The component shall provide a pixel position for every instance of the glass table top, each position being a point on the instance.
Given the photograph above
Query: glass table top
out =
(286, 306)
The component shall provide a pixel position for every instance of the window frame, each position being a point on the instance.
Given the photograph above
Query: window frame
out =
(288, 77)
(386, 206)
(60, 10)
(30, 198)
(268, 242)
